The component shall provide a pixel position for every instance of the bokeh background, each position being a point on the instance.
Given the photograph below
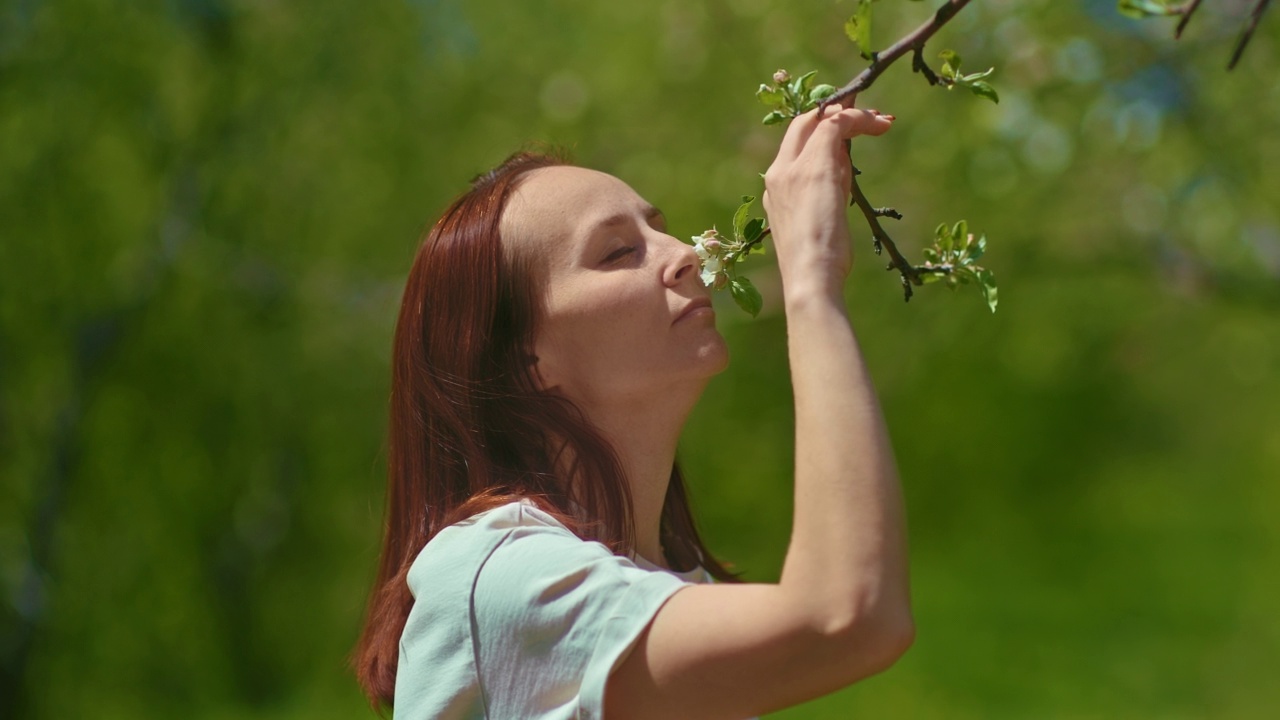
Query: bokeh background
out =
(208, 208)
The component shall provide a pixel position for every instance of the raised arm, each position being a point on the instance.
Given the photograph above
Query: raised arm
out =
(841, 611)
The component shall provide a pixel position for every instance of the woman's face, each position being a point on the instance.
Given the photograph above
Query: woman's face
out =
(625, 313)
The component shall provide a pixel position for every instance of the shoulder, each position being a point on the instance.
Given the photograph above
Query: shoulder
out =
(539, 616)
(462, 608)
(466, 546)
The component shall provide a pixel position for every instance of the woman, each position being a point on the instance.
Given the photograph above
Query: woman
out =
(540, 560)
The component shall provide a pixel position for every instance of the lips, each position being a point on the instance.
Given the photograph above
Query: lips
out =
(694, 305)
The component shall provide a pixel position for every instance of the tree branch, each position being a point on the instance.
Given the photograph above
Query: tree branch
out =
(919, 65)
(1255, 15)
(881, 239)
(914, 43)
(1186, 10)
(914, 40)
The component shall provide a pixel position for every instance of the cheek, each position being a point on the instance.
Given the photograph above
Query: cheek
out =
(608, 321)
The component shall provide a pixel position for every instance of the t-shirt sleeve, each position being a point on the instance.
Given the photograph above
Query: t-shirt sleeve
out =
(552, 616)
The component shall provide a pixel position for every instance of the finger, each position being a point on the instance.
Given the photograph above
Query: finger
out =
(853, 121)
(798, 132)
(876, 124)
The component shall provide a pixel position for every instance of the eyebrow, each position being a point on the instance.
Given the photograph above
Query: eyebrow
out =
(650, 212)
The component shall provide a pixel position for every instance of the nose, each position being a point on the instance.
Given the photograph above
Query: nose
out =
(683, 262)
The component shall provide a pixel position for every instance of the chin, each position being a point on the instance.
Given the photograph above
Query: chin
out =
(714, 356)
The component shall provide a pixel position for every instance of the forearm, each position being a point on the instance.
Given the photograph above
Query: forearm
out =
(848, 557)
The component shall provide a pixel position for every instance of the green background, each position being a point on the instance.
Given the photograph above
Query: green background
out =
(207, 210)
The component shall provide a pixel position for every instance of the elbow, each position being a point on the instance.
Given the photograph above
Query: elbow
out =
(897, 640)
(869, 644)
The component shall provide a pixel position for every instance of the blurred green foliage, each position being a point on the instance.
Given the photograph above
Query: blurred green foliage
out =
(207, 210)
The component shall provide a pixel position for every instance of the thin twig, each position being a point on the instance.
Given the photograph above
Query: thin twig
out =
(883, 59)
(919, 65)
(1186, 11)
(913, 42)
(1255, 15)
(881, 239)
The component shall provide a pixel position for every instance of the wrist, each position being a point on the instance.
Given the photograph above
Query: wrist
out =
(811, 293)
(815, 274)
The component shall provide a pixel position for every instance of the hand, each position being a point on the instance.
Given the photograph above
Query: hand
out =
(807, 193)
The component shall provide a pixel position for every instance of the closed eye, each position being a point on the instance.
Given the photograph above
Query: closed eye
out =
(620, 253)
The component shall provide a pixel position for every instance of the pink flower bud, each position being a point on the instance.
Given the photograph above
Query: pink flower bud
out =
(711, 245)
(781, 76)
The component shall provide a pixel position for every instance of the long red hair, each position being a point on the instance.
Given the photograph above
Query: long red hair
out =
(469, 428)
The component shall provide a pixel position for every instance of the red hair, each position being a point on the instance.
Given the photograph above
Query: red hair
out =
(469, 427)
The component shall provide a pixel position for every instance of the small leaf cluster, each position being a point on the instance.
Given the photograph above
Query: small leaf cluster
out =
(1148, 8)
(951, 76)
(790, 96)
(719, 256)
(953, 259)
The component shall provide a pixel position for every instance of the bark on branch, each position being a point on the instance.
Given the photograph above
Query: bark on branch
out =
(1251, 24)
(912, 42)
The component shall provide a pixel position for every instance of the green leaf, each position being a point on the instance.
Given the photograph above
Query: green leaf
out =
(775, 117)
(974, 77)
(931, 277)
(1144, 8)
(942, 239)
(987, 281)
(752, 231)
(770, 96)
(800, 86)
(982, 89)
(740, 217)
(951, 240)
(821, 92)
(977, 248)
(851, 28)
(746, 295)
(858, 28)
(950, 64)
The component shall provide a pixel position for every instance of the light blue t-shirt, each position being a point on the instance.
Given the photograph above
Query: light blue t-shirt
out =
(514, 616)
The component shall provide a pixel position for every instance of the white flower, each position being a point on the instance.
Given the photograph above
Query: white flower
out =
(706, 244)
(711, 267)
(711, 253)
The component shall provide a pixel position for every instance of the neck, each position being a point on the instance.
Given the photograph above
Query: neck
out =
(644, 431)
